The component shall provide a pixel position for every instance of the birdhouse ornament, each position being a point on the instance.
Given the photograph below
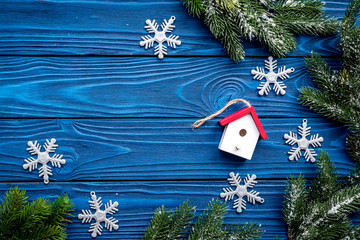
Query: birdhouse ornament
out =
(241, 132)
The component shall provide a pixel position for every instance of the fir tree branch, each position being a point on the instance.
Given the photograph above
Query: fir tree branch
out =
(294, 204)
(10, 208)
(304, 17)
(272, 23)
(338, 93)
(353, 145)
(319, 71)
(224, 30)
(344, 202)
(326, 183)
(33, 214)
(321, 211)
(353, 177)
(159, 226)
(319, 26)
(61, 210)
(243, 232)
(278, 39)
(21, 220)
(209, 224)
(352, 234)
(350, 38)
(195, 7)
(180, 221)
(298, 7)
(169, 225)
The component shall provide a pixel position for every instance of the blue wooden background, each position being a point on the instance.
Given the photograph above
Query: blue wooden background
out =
(74, 71)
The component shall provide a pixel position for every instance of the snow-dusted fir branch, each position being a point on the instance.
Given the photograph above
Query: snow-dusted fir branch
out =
(337, 92)
(273, 23)
(321, 211)
(36, 219)
(171, 225)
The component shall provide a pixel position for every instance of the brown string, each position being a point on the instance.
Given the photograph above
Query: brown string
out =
(200, 122)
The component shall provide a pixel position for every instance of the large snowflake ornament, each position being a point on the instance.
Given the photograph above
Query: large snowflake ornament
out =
(99, 215)
(271, 77)
(241, 191)
(160, 37)
(303, 143)
(43, 158)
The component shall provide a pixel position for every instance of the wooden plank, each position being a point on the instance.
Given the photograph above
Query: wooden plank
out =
(76, 87)
(88, 27)
(138, 201)
(158, 149)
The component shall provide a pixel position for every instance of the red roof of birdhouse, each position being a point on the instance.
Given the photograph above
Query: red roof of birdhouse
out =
(242, 113)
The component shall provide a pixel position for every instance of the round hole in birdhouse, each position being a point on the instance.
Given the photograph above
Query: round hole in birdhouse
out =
(242, 132)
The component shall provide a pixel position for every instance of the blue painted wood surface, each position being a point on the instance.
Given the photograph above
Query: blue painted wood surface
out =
(141, 87)
(115, 27)
(158, 149)
(74, 71)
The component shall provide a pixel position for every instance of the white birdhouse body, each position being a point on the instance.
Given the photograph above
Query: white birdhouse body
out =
(240, 137)
(241, 133)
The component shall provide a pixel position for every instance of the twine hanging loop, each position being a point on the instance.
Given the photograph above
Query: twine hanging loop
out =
(200, 122)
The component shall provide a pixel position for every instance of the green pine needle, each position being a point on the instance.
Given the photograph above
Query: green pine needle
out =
(209, 224)
(244, 232)
(326, 182)
(61, 210)
(272, 23)
(195, 7)
(38, 219)
(180, 221)
(353, 143)
(337, 93)
(321, 211)
(160, 225)
(296, 196)
(176, 225)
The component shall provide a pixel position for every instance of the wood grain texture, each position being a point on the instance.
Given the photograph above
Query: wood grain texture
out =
(127, 132)
(141, 87)
(57, 27)
(138, 201)
(158, 149)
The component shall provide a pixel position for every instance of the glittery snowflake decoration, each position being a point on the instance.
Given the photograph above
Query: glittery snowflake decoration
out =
(160, 37)
(303, 143)
(241, 191)
(271, 77)
(99, 215)
(43, 158)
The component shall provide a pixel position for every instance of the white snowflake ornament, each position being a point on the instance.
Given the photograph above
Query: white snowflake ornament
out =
(43, 158)
(303, 143)
(271, 77)
(241, 191)
(160, 37)
(99, 215)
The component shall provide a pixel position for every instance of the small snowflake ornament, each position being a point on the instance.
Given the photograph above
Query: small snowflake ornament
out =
(160, 37)
(241, 191)
(43, 158)
(303, 143)
(271, 77)
(99, 215)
